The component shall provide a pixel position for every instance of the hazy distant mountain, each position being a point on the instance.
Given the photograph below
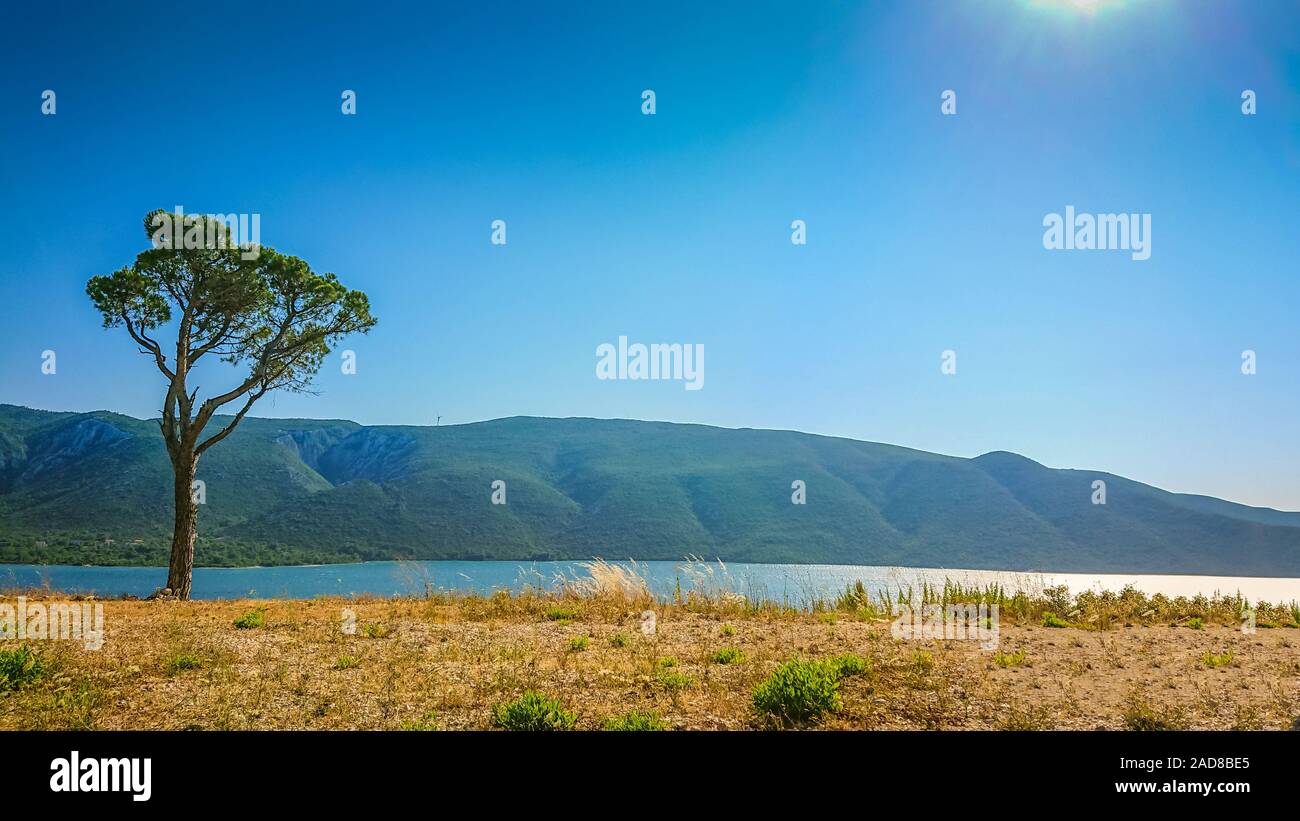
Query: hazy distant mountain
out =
(288, 491)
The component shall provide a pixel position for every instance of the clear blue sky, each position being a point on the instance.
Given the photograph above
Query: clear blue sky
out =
(924, 231)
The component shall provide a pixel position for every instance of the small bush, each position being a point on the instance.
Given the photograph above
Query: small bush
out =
(1009, 660)
(251, 620)
(1217, 659)
(1050, 619)
(19, 667)
(673, 680)
(618, 640)
(558, 613)
(728, 655)
(666, 661)
(799, 691)
(1196, 623)
(728, 630)
(849, 664)
(181, 662)
(635, 721)
(426, 723)
(346, 662)
(374, 631)
(533, 712)
(578, 644)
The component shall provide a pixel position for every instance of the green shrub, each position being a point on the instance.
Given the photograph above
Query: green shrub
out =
(374, 631)
(251, 620)
(618, 640)
(849, 664)
(799, 691)
(346, 662)
(1196, 623)
(666, 661)
(1050, 619)
(728, 655)
(673, 680)
(181, 662)
(1217, 659)
(635, 721)
(578, 644)
(426, 723)
(533, 712)
(728, 630)
(19, 667)
(1009, 660)
(558, 613)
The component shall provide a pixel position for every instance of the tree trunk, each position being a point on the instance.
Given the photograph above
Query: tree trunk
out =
(180, 570)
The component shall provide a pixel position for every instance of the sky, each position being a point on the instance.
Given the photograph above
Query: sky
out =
(924, 230)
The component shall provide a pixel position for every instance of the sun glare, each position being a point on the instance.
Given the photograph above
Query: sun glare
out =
(1088, 7)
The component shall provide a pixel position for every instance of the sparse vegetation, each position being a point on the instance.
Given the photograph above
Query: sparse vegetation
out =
(19, 667)
(578, 643)
(252, 620)
(727, 655)
(453, 656)
(533, 712)
(180, 662)
(1009, 659)
(1213, 660)
(1050, 619)
(635, 721)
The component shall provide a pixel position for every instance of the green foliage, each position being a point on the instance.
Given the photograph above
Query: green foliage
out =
(635, 721)
(849, 664)
(619, 640)
(1217, 659)
(728, 655)
(425, 723)
(251, 620)
(1009, 659)
(374, 631)
(19, 667)
(673, 680)
(578, 643)
(533, 712)
(558, 613)
(799, 691)
(180, 662)
(728, 630)
(346, 662)
(1050, 619)
(1196, 623)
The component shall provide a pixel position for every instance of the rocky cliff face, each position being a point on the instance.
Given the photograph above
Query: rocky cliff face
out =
(64, 444)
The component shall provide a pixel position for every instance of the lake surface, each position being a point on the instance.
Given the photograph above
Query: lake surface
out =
(796, 584)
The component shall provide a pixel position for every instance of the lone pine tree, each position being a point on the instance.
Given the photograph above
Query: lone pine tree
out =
(266, 313)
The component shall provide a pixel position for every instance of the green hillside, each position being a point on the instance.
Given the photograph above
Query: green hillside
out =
(95, 488)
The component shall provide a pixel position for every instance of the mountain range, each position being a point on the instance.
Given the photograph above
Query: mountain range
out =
(95, 488)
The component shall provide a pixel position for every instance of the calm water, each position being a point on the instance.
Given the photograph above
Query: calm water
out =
(793, 583)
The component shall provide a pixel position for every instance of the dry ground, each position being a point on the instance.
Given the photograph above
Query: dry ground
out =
(417, 663)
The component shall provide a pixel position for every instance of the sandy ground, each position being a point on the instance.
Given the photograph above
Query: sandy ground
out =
(177, 665)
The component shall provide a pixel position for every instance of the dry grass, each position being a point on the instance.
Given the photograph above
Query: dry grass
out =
(446, 661)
